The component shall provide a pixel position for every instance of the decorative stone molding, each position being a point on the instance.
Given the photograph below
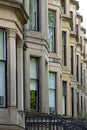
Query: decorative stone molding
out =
(11, 33)
(18, 9)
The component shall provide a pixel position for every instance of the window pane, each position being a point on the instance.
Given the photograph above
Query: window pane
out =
(2, 84)
(34, 86)
(63, 6)
(64, 47)
(51, 98)
(2, 44)
(51, 39)
(51, 30)
(64, 85)
(33, 14)
(33, 68)
(52, 80)
(33, 94)
(63, 105)
(51, 18)
(52, 101)
(71, 16)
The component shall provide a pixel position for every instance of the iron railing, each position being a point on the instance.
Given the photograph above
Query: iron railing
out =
(55, 123)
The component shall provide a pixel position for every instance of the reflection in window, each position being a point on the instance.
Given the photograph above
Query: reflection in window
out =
(64, 48)
(34, 15)
(71, 16)
(63, 6)
(2, 68)
(64, 85)
(71, 59)
(51, 30)
(34, 84)
(52, 88)
(77, 67)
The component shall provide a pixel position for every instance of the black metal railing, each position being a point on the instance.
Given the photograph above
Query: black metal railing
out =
(55, 123)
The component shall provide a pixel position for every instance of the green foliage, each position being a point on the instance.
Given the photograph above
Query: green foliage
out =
(33, 99)
(82, 115)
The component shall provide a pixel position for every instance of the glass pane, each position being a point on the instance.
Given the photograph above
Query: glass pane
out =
(63, 105)
(52, 109)
(52, 100)
(52, 80)
(33, 14)
(51, 39)
(2, 101)
(51, 18)
(2, 44)
(2, 84)
(33, 94)
(33, 68)
(63, 6)
(51, 30)
(64, 88)
(33, 84)
(63, 38)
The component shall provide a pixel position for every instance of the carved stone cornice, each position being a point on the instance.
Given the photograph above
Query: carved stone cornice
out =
(18, 8)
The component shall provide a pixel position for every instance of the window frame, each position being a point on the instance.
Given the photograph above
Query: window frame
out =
(53, 27)
(72, 101)
(50, 72)
(37, 84)
(78, 110)
(81, 71)
(71, 17)
(77, 29)
(36, 18)
(63, 4)
(77, 67)
(5, 62)
(64, 46)
(81, 103)
(64, 94)
(71, 58)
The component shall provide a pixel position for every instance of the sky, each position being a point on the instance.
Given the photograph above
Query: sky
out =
(83, 12)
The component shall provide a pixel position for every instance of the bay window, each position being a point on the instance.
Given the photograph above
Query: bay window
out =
(2, 68)
(51, 30)
(34, 15)
(34, 85)
(52, 90)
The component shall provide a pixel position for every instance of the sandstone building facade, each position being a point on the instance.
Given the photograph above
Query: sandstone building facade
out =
(43, 59)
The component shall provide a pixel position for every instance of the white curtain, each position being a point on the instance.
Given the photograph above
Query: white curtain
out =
(33, 68)
(51, 98)
(52, 80)
(33, 84)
